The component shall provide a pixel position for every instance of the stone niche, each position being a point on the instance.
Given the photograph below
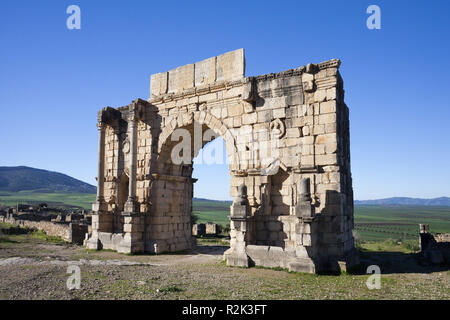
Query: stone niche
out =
(287, 141)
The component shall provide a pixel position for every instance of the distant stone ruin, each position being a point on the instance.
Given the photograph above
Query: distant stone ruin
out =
(287, 143)
(71, 228)
(434, 248)
(204, 229)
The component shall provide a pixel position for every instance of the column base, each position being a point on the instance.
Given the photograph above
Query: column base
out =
(236, 259)
(133, 227)
(92, 243)
(130, 247)
(305, 265)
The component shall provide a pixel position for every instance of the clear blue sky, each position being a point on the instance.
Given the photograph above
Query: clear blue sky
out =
(397, 79)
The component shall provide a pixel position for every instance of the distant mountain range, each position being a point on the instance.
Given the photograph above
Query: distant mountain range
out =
(14, 179)
(403, 201)
(209, 200)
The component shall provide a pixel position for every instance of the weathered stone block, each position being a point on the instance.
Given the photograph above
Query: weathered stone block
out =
(320, 95)
(205, 72)
(230, 66)
(158, 84)
(328, 107)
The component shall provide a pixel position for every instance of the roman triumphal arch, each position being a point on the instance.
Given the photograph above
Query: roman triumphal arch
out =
(287, 143)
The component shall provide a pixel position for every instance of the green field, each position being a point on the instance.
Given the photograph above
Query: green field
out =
(376, 223)
(66, 200)
(211, 211)
(372, 222)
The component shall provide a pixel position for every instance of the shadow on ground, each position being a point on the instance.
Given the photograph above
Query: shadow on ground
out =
(397, 262)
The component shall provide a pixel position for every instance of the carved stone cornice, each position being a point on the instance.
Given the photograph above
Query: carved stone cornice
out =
(309, 169)
(239, 173)
(109, 116)
(196, 91)
(157, 176)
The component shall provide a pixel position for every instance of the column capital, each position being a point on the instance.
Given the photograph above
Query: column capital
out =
(131, 205)
(132, 118)
(101, 125)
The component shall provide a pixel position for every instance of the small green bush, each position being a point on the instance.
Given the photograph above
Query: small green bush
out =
(411, 245)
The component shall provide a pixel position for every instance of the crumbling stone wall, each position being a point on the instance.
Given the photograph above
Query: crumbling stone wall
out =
(199, 229)
(70, 232)
(212, 228)
(287, 141)
(434, 248)
(203, 229)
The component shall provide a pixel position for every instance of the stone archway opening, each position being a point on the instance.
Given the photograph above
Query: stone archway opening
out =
(173, 185)
(211, 202)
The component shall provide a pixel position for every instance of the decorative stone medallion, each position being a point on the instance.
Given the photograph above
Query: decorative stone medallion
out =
(277, 128)
(126, 146)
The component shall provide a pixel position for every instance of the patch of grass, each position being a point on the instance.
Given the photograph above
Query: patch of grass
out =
(6, 239)
(93, 275)
(4, 225)
(272, 268)
(12, 234)
(171, 288)
(42, 236)
(388, 245)
(22, 235)
(98, 250)
(411, 245)
(212, 240)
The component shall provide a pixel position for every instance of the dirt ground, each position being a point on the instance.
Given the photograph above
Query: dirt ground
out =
(39, 270)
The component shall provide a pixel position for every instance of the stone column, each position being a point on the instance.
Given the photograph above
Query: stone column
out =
(101, 218)
(131, 205)
(240, 212)
(304, 209)
(134, 221)
(99, 204)
(305, 238)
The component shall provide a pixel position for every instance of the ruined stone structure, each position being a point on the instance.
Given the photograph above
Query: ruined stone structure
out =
(203, 229)
(72, 232)
(434, 247)
(287, 142)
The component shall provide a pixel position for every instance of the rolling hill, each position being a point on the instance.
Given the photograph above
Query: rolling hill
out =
(404, 201)
(16, 179)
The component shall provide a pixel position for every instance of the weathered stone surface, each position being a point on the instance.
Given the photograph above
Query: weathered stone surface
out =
(205, 72)
(227, 67)
(280, 130)
(230, 66)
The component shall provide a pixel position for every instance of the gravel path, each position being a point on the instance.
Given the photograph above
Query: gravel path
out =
(40, 271)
